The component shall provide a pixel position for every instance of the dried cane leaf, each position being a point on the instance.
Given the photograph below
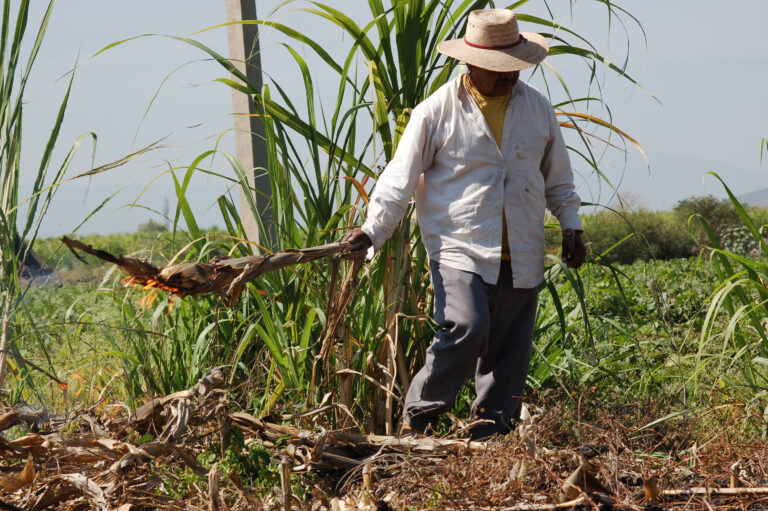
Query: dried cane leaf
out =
(90, 490)
(582, 479)
(175, 428)
(15, 417)
(13, 482)
(55, 492)
(651, 489)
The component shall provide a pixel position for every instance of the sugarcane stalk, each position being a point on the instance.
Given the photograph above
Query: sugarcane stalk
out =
(225, 277)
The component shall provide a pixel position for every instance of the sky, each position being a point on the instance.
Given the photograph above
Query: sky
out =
(705, 65)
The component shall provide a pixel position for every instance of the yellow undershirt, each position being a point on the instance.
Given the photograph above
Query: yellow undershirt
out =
(494, 109)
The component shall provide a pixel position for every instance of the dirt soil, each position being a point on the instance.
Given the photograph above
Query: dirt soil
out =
(167, 455)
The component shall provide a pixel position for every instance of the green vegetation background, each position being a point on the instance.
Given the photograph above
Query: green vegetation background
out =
(647, 300)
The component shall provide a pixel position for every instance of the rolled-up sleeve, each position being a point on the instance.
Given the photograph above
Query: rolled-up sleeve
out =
(394, 187)
(562, 199)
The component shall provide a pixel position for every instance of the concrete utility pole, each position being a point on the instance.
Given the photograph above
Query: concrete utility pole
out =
(250, 144)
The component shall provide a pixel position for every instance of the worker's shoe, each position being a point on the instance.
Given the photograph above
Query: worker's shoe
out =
(485, 428)
(408, 431)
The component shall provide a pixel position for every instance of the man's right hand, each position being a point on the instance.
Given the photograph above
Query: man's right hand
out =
(357, 239)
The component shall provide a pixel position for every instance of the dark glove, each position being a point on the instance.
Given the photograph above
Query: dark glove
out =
(357, 239)
(574, 250)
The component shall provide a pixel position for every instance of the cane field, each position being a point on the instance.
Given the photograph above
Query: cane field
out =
(648, 385)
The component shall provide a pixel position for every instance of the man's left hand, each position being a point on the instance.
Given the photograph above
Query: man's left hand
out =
(574, 250)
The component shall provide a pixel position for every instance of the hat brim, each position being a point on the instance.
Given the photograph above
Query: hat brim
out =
(522, 56)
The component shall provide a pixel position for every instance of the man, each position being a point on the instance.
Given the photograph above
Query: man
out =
(484, 156)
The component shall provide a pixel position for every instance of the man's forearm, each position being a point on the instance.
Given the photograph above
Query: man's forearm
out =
(396, 185)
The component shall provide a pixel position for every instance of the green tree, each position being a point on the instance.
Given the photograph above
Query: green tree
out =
(719, 213)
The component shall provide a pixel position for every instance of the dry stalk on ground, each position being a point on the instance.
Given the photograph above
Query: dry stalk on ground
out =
(102, 461)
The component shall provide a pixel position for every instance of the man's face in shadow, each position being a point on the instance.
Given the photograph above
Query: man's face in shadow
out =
(493, 83)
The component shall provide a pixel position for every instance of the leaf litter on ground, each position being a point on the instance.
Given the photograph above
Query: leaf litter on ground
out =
(181, 451)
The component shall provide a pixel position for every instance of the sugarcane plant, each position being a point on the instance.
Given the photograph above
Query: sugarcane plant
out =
(22, 209)
(18, 231)
(737, 316)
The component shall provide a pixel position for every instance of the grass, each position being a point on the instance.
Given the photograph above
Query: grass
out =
(636, 377)
(14, 76)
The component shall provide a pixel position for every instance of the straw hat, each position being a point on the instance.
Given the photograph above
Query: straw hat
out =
(493, 41)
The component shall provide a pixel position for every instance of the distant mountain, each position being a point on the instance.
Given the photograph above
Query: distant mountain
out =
(758, 198)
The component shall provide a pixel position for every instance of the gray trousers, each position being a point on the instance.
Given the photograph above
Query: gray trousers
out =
(484, 328)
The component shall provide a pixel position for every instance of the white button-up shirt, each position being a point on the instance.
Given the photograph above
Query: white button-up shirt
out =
(463, 182)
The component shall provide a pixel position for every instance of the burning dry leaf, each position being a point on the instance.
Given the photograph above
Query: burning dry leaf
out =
(225, 277)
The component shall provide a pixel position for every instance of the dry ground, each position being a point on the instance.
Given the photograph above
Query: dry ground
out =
(167, 455)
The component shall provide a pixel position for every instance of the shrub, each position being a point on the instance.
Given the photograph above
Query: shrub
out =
(668, 235)
(649, 235)
(152, 226)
